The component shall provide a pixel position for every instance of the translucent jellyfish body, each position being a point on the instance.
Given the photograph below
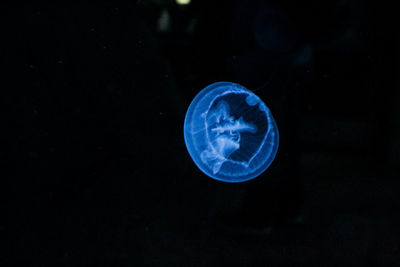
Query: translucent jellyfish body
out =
(230, 133)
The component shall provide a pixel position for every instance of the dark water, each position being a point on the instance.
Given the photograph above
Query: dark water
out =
(96, 170)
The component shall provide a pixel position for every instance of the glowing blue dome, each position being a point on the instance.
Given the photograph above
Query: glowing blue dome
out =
(230, 133)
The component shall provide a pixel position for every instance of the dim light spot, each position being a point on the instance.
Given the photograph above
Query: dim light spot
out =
(183, 2)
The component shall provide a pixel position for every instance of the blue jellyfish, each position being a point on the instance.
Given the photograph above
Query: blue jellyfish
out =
(230, 133)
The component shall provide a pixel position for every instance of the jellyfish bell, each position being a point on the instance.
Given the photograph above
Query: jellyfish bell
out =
(230, 133)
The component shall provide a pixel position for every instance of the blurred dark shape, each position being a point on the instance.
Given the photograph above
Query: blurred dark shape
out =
(304, 55)
(274, 31)
(164, 21)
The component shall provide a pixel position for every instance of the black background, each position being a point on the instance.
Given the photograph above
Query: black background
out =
(99, 172)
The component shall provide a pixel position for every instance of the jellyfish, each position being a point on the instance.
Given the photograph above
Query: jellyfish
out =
(230, 133)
